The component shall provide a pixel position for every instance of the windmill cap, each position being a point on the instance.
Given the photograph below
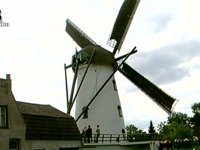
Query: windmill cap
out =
(100, 57)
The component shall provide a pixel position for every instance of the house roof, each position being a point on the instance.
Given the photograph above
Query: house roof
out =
(39, 109)
(44, 122)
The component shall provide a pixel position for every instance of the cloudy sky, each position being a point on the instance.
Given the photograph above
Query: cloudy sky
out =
(35, 46)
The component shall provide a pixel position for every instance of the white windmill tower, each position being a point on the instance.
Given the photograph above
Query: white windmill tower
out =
(96, 96)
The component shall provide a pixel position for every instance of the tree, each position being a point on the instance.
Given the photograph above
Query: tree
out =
(196, 108)
(176, 127)
(179, 118)
(133, 133)
(152, 132)
(195, 120)
(151, 128)
(132, 129)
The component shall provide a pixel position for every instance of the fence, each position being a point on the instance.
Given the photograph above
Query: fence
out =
(117, 138)
(113, 138)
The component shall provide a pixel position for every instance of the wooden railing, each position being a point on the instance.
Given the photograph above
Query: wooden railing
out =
(116, 138)
(152, 138)
(104, 138)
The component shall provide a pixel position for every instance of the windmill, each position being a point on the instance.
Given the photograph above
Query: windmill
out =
(96, 96)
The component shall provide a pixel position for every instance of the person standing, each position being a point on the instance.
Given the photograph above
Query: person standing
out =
(0, 16)
(98, 133)
(123, 134)
(89, 134)
(84, 134)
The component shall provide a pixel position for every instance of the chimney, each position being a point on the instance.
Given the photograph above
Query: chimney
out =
(8, 84)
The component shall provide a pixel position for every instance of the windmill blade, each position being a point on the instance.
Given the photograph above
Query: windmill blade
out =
(81, 38)
(164, 100)
(122, 23)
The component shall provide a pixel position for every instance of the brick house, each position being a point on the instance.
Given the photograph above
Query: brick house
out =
(26, 126)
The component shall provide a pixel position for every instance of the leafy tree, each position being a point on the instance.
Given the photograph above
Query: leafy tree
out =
(195, 120)
(132, 129)
(196, 108)
(176, 127)
(133, 133)
(179, 118)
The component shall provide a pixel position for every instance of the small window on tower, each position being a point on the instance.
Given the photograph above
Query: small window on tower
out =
(119, 111)
(85, 112)
(114, 85)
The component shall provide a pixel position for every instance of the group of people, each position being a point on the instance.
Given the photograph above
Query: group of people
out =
(87, 134)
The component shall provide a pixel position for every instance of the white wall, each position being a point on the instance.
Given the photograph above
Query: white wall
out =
(103, 111)
(51, 145)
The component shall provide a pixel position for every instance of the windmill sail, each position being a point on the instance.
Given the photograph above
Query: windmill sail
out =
(123, 22)
(156, 94)
(81, 38)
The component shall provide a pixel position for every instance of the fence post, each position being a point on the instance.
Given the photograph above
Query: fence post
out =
(102, 138)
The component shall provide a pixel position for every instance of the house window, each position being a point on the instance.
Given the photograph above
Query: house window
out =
(14, 144)
(3, 117)
(119, 110)
(114, 85)
(85, 112)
